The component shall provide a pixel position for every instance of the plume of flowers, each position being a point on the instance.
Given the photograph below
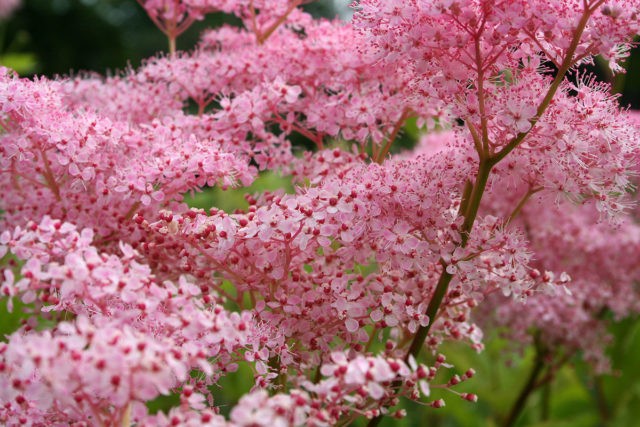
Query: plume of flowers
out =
(505, 215)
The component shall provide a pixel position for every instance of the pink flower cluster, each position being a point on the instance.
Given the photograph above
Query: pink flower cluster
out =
(515, 210)
(7, 7)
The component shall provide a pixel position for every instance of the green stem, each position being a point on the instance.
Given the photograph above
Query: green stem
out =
(466, 194)
(601, 400)
(526, 391)
(546, 402)
(555, 85)
(472, 206)
(432, 310)
(379, 158)
(521, 204)
(484, 128)
(445, 278)
(172, 45)
(484, 170)
(262, 37)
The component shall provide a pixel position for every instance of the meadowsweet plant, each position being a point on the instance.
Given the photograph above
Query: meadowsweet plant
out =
(514, 211)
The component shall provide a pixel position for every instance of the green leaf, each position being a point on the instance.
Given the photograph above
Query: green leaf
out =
(22, 63)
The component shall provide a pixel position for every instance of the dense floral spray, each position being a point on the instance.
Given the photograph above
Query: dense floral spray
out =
(506, 214)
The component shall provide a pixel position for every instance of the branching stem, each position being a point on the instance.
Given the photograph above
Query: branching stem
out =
(520, 205)
(555, 85)
(382, 154)
(527, 389)
(486, 164)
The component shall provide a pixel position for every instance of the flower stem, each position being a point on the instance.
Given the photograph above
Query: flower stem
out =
(601, 400)
(172, 45)
(521, 204)
(445, 278)
(263, 36)
(471, 209)
(380, 156)
(555, 85)
(126, 418)
(529, 387)
(546, 402)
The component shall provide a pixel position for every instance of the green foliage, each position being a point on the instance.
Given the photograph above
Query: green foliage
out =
(22, 63)
(10, 321)
(232, 199)
(573, 400)
(61, 36)
(232, 387)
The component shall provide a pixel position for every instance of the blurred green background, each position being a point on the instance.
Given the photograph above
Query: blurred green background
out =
(59, 37)
(52, 37)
